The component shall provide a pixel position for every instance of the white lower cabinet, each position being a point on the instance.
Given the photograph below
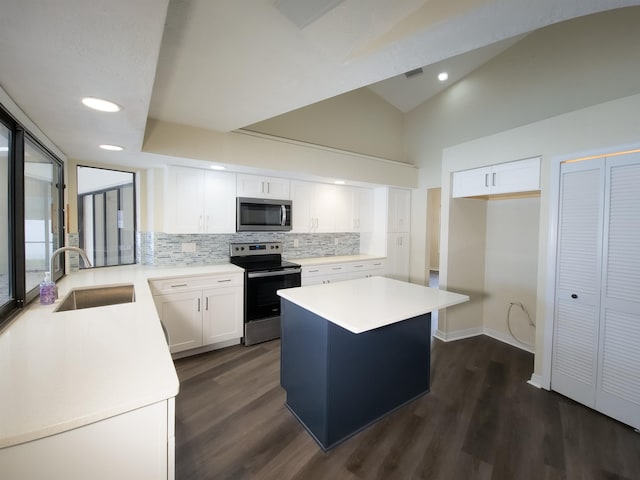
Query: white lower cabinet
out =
(338, 272)
(138, 444)
(201, 310)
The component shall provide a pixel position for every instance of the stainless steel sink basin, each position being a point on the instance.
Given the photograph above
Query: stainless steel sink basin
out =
(101, 296)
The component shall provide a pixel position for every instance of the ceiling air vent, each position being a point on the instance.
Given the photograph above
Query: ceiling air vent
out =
(413, 73)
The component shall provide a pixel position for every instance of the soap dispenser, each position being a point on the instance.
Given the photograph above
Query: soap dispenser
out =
(47, 290)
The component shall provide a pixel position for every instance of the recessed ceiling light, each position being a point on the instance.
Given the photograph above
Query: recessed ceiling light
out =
(443, 76)
(339, 182)
(217, 167)
(114, 148)
(100, 104)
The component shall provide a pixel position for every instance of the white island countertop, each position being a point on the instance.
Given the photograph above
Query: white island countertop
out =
(63, 370)
(368, 303)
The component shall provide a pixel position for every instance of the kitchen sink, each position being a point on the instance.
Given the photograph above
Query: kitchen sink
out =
(89, 297)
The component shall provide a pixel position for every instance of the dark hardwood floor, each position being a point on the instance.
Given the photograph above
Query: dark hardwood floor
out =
(481, 420)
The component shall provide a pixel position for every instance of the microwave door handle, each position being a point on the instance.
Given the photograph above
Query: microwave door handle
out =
(283, 215)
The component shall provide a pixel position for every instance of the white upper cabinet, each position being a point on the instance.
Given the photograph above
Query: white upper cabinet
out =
(323, 208)
(510, 177)
(199, 201)
(354, 209)
(257, 186)
(399, 210)
(313, 207)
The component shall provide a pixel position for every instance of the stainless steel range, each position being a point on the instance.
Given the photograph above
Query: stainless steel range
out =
(265, 274)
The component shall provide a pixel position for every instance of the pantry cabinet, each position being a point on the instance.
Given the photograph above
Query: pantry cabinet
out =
(199, 201)
(258, 186)
(200, 311)
(398, 256)
(503, 178)
(354, 209)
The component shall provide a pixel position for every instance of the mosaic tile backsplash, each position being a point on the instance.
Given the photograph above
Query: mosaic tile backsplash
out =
(161, 249)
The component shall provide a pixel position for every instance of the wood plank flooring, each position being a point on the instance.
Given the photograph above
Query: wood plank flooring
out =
(481, 420)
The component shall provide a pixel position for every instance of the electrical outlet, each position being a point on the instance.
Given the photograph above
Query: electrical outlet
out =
(335, 240)
(188, 247)
(296, 242)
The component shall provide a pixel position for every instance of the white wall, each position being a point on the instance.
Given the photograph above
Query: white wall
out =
(511, 267)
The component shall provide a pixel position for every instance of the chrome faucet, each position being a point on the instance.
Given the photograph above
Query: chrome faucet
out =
(87, 263)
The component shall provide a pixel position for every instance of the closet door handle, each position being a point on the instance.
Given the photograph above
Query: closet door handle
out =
(574, 295)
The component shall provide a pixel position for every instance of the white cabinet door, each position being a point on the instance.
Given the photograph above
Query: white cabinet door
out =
(222, 314)
(301, 193)
(219, 203)
(471, 183)
(184, 200)
(257, 186)
(181, 314)
(323, 201)
(397, 263)
(199, 201)
(509, 177)
(513, 177)
(353, 209)
(399, 210)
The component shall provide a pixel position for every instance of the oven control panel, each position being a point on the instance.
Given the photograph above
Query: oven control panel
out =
(242, 249)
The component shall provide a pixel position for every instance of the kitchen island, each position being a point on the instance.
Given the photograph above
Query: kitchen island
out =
(354, 351)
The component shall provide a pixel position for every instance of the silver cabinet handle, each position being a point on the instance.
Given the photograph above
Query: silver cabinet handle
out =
(179, 285)
(493, 179)
(225, 280)
(206, 303)
(486, 180)
(198, 304)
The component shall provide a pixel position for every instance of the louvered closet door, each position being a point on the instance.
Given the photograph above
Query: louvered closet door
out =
(618, 392)
(578, 277)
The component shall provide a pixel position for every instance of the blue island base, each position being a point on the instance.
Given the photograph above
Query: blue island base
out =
(338, 382)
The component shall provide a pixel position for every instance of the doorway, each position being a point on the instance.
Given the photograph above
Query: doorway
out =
(106, 215)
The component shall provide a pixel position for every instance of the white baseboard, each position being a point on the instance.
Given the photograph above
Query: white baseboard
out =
(459, 334)
(536, 381)
(474, 332)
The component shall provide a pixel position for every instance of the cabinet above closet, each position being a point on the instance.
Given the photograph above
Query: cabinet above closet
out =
(503, 178)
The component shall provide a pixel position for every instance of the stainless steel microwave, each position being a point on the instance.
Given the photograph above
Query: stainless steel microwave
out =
(263, 215)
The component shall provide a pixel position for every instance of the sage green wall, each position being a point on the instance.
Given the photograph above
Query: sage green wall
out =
(359, 121)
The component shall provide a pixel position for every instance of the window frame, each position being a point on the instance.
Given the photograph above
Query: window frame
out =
(16, 228)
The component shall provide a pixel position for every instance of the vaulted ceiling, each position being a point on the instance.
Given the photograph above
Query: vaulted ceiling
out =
(225, 64)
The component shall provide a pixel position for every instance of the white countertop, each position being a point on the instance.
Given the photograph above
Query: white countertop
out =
(63, 370)
(335, 259)
(368, 303)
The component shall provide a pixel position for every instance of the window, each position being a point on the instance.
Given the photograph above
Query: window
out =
(106, 215)
(30, 215)
(41, 205)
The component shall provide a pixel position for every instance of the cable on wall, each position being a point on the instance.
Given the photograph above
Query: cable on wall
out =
(531, 322)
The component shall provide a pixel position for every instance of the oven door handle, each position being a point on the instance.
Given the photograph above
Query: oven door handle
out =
(273, 274)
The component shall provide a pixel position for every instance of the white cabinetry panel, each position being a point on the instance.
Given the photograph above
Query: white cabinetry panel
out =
(257, 186)
(199, 201)
(510, 177)
(200, 310)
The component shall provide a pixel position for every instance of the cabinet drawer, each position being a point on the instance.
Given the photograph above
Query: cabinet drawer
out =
(367, 265)
(316, 270)
(180, 284)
